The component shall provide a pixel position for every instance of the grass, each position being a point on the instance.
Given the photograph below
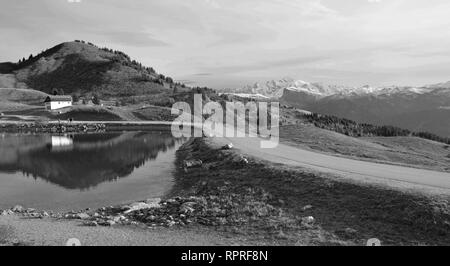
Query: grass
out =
(24, 96)
(345, 213)
(154, 113)
(409, 151)
(89, 114)
(78, 113)
(20, 100)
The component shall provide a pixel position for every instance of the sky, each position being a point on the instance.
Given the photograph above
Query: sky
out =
(232, 43)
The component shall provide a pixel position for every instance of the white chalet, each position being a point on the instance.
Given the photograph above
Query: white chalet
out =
(57, 102)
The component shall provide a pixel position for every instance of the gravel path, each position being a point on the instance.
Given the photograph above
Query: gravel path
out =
(404, 178)
(46, 232)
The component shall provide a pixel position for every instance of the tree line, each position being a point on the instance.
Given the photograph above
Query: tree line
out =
(354, 129)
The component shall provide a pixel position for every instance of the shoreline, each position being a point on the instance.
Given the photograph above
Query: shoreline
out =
(80, 126)
(271, 204)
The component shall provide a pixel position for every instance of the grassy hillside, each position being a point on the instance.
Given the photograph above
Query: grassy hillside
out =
(83, 69)
(78, 113)
(89, 114)
(10, 81)
(25, 96)
(409, 151)
(20, 99)
(352, 128)
(384, 144)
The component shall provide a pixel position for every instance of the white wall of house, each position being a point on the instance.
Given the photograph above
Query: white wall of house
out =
(54, 105)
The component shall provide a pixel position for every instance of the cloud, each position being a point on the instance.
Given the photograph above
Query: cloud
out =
(238, 38)
(265, 65)
(133, 38)
(203, 74)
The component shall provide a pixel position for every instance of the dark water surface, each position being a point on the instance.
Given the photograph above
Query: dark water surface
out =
(77, 171)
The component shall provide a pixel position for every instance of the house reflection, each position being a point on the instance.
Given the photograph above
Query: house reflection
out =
(61, 143)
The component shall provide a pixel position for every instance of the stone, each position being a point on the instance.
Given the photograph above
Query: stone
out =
(83, 216)
(228, 146)
(33, 215)
(108, 223)
(187, 207)
(151, 218)
(149, 204)
(171, 223)
(307, 207)
(192, 163)
(7, 212)
(308, 221)
(240, 160)
(119, 218)
(154, 201)
(90, 223)
(18, 208)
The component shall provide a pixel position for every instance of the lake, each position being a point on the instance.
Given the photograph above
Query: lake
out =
(79, 171)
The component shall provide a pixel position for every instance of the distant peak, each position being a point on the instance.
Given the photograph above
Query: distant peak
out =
(276, 88)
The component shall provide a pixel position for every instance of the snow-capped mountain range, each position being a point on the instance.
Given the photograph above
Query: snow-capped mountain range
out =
(276, 89)
(425, 108)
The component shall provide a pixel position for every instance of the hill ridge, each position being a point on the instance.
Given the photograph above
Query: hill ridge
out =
(82, 68)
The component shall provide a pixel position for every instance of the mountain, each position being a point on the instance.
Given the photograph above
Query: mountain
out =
(445, 85)
(83, 68)
(275, 88)
(425, 108)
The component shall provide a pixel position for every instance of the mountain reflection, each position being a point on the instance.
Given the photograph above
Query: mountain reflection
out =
(81, 161)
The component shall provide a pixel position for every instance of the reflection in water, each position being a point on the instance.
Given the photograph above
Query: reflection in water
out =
(61, 143)
(81, 161)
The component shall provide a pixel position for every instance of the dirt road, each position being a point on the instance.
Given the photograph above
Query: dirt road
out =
(393, 176)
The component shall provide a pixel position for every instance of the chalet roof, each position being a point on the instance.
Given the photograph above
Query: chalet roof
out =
(58, 98)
